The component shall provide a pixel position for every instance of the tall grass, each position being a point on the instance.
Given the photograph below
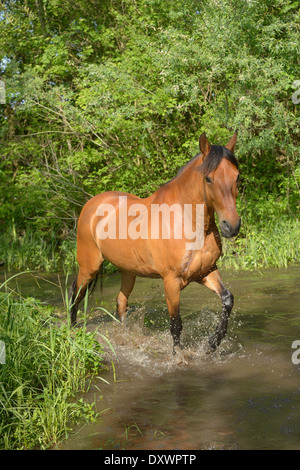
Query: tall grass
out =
(277, 244)
(33, 251)
(47, 364)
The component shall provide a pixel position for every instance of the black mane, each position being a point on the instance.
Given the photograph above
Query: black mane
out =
(211, 162)
(214, 158)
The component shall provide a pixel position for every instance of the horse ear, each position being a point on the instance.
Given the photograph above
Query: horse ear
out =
(204, 145)
(231, 144)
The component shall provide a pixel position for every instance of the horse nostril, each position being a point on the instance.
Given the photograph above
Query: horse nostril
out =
(226, 224)
(228, 230)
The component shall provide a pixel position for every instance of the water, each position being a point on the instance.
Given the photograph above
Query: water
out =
(244, 396)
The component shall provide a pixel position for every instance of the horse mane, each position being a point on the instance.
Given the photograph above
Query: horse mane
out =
(211, 162)
(214, 158)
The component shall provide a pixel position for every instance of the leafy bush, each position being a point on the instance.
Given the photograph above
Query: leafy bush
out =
(115, 96)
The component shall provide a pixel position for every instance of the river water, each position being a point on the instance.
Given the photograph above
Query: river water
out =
(246, 395)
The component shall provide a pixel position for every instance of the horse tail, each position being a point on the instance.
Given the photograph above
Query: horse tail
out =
(72, 301)
(92, 284)
(101, 278)
(72, 291)
(73, 294)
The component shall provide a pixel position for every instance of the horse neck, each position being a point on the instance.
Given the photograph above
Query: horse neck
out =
(189, 185)
(190, 189)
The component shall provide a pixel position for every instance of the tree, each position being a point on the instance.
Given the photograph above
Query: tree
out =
(113, 95)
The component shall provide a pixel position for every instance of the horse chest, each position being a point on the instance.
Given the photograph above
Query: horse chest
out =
(197, 264)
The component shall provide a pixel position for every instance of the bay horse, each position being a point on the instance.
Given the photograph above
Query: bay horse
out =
(209, 180)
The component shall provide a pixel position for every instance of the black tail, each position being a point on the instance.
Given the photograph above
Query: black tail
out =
(75, 299)
(72, 301)
(101, 278)
(92, 284)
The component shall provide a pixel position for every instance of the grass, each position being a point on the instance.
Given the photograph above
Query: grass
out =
(48, 364)
(276, 244)
(32, 251)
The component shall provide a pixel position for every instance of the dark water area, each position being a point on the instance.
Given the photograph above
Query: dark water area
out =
(246, 395)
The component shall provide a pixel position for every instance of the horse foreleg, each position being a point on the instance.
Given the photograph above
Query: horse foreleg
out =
(127, 285)
(214, 282)
(172, 293)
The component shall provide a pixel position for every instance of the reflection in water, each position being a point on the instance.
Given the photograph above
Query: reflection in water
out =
(244, 396)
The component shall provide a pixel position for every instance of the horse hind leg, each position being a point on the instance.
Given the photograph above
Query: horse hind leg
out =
(86, 278)
(77, 292)
(127, 284)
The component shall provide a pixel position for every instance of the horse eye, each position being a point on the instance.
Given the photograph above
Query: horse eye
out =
(208, 179)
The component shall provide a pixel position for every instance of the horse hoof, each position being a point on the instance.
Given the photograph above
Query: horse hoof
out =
(179, 346)
(211, 345)
(209, 348)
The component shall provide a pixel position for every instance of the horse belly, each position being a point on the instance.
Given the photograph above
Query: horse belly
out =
(129, 255)
(122, 247)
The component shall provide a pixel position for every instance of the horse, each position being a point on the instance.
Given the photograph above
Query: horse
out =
(209, 181)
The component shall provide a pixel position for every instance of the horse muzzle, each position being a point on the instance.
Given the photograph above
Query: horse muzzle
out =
(228, 230)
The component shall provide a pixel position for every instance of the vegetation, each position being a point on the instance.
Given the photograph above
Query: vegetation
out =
(114, 95)
(264, 246)
(105, 95)
(46, 365)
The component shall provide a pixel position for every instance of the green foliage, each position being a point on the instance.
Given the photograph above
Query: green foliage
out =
(272, 245)
(114, 95)
(31, 251)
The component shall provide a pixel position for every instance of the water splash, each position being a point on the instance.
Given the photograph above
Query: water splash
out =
(144, 341)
